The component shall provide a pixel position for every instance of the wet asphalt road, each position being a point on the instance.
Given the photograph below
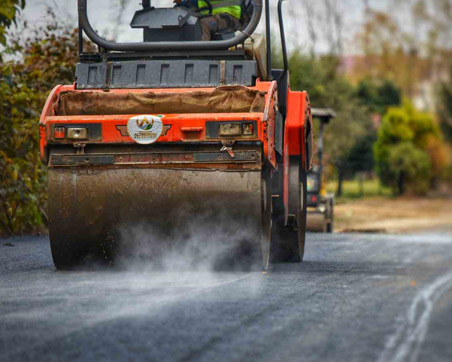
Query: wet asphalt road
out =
(355, 298)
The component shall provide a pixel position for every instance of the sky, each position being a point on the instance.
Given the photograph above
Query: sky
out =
(103, 15)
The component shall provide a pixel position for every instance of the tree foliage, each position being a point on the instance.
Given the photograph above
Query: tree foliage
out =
(8, 12)
(444, 106)
(408, 138)
(378, 96)
(361, 157)
(327, 88)
(410, 45)
(48, 59)
(410, 168)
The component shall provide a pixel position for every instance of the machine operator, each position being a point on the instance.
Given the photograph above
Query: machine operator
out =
(225, 15)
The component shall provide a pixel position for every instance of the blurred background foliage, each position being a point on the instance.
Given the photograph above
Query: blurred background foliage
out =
(8, 12)
(393, 99)
(38, 63)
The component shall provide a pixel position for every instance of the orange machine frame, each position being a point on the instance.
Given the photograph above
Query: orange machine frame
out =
(190, 128)
(184, 127)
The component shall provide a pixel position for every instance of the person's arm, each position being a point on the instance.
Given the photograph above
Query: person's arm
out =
(186, 3)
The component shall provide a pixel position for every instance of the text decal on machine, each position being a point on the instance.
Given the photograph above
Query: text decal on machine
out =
(145, 129)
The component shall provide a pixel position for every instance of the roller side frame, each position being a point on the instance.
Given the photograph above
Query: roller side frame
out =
(288, 236)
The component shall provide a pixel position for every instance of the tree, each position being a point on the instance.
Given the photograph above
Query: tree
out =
(8, 12)
(378, 96)
(409, 167)
(444, 107)
(406, 129)
(48, 59)
(327, 88)
(360, 157)
(119, 7)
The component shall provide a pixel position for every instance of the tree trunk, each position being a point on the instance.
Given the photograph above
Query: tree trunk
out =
(361, 183)
(401, 183)
(340, 178)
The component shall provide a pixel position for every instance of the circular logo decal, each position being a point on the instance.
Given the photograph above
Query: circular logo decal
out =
(145, 123)
(145, 129)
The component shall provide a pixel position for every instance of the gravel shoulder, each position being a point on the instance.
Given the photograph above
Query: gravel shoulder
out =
(402, 215)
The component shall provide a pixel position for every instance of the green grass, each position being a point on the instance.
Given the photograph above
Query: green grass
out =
(351, 189)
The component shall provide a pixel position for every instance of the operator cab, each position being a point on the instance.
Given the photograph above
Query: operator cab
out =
(314, 177)
(172, 55)
(315, 183)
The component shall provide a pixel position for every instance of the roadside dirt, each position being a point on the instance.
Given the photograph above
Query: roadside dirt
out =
(404, 215)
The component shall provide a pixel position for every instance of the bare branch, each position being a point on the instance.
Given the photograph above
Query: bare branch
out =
(122, 5)
(311, 24)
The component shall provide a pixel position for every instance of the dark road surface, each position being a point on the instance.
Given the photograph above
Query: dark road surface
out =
(355, 298)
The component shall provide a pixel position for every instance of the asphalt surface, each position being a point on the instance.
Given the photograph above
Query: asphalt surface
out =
(354, 298)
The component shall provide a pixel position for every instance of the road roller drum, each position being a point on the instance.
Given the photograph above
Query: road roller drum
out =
(96, 211)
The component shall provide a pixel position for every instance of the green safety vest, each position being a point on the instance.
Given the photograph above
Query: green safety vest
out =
(232, 7)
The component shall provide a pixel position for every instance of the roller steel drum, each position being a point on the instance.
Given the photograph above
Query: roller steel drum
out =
(97, 211)
(316, 222)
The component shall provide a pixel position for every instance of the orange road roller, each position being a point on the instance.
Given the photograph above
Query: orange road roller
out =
(174, 135)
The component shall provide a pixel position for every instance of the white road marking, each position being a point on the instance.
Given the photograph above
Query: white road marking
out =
(405, 343)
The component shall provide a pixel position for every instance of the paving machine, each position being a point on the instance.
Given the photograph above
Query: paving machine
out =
(174, 136)
(320, 203)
